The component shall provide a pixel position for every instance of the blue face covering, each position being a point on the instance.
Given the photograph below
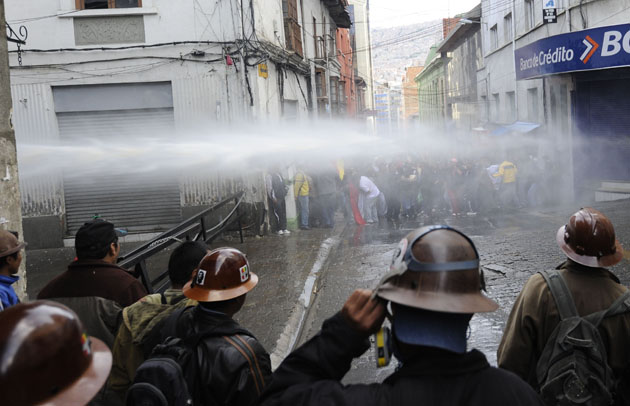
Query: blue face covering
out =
(429, 328)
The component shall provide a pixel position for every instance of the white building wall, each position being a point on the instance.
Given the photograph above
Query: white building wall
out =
(497, 76)
(499, 61)
(165, 21)
(204, 87)
(363, 54)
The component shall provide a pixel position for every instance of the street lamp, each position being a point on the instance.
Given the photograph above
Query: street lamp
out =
(464, 21)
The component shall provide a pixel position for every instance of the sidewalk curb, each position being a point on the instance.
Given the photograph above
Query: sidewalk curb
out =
(293, 328)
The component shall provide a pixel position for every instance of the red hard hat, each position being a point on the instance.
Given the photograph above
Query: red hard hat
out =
(223, 274)
(47, 359)
(589, 239)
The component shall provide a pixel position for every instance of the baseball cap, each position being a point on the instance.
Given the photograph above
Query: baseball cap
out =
(95, 235)
(9, 244)
(429, 328)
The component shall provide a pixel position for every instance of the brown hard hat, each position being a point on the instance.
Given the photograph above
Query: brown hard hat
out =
(589, 239)
(9, 244)
(47, 359)
(436, 268)
(223, 274)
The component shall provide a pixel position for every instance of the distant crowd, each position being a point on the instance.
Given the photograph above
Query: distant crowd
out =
(396, 189)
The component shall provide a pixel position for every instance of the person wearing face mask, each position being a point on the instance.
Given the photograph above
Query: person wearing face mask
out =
(433, 288)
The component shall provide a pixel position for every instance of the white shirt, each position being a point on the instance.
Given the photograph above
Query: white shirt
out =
(368, 187)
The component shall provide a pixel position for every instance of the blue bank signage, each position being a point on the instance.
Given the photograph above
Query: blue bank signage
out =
(597, 48)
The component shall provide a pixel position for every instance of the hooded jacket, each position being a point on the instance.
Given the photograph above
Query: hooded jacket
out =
(138, 322)
(311, 375)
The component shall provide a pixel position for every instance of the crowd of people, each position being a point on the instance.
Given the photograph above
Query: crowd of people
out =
(407, 187)
(95, 336)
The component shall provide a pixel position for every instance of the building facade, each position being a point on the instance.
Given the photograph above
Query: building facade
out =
(463, 46)
(431, 90)
(361, 44)
(347, 85)
(572, 78)
(159, 67)
(410, 93)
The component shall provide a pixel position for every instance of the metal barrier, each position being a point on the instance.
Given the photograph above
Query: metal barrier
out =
(192, 229)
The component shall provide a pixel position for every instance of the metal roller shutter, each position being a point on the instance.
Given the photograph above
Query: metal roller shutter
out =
(604, 122)
(136, 201)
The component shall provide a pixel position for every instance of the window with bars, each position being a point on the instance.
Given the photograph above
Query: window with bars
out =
(99, 4)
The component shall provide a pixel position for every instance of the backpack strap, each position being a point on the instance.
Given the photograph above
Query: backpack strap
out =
(241, 345)
(163, 298)
(621, 305)
(561, 294)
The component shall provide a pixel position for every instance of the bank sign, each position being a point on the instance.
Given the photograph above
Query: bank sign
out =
(597, 48)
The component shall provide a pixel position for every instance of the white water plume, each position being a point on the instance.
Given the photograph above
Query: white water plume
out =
(246, 147)
(234, 148)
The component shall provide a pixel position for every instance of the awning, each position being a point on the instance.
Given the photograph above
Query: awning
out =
(520, 127)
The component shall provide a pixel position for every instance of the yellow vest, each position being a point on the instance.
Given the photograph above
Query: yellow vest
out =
(300, 185)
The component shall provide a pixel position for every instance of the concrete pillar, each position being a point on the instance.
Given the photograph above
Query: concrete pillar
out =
(10, 210)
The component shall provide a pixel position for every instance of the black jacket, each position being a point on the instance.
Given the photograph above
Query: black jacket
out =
(234, 367)
(311, 376)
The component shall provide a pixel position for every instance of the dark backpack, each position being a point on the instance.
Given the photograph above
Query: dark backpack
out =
(573, 367)
(169, 377)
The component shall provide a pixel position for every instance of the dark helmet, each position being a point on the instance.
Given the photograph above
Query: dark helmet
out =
(45, 356)
(434, 286)
(589, 239)
(436, 268)
(223, 274)
(9, 243)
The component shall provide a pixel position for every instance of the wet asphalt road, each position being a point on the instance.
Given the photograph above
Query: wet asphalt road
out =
(512, 246)
(306, 277)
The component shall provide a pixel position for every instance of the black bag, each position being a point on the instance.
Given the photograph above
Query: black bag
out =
(169, 376)
(573, 367)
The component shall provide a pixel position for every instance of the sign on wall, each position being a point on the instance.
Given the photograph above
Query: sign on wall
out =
(597, 48)
(550, 11)
(263, 72)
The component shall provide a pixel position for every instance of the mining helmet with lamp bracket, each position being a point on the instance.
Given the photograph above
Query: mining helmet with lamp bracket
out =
(589, 239)
(434, 286)
(47, 359)
(223, 274)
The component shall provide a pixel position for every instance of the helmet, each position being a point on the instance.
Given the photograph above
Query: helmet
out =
(436, 268)
(9, 243)
(46, 358)
(589, 239)
(223, 274)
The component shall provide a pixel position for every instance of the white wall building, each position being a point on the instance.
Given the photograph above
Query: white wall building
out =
(122, 67)
(363, 47)
(578, 97)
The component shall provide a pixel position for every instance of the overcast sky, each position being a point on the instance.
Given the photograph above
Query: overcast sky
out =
(391, 13)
